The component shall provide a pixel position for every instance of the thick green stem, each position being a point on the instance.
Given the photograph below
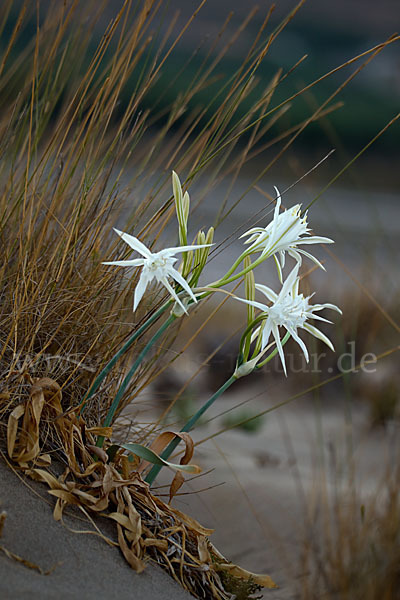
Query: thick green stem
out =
(154, 471)
(104, 372)
(114, 406)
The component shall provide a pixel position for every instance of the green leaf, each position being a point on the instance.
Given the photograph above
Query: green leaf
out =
(153, 458)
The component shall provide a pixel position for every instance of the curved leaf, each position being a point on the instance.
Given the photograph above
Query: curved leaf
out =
(153, 458)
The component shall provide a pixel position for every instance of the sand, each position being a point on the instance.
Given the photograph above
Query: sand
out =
(84, 566)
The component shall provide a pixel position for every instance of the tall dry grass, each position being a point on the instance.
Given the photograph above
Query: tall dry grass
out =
(75, 161)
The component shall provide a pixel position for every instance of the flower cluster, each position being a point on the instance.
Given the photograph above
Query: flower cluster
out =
(288, 309)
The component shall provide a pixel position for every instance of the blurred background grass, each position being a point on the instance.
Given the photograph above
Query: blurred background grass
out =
(328, 33)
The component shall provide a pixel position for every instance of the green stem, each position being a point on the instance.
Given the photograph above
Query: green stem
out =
(104, 372)
(114, 406)
(225, 279)
(154, 471)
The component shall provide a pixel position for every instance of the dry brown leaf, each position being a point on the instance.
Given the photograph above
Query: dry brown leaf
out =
(43, 460)
(108, 480)
(123, 520)
(160, 544)
(101, 504)
(26, 563)
(202, 548)
(105, 431)
(12, 427)
(176, 484)
(51, 481)
(162, 441)
(99, 452)
(263, 580)
(135, 562)
(67, 497)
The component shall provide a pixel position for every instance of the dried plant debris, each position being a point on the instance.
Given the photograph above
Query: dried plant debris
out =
(16, 557)
(110, 485)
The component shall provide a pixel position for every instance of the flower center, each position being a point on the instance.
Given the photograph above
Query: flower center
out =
(289, 311)
(157, 263)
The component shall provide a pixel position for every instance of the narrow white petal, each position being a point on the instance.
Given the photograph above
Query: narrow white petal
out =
(262, 307)
(300, 342)
(178, 277)
(136, 262)
(282, 257)
(266, 333)
(318, 334)
(171, 290)
(331, 306)
(295, 254)
(270, 294)
(141, 288)
(134, 243)
(275, 333)
(276, 212)
(311, 257)
(174, 250)
(316, 240)
(310, 315)
(291, 278)
(254, 230)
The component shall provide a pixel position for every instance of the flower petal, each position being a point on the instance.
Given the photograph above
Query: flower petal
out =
(266, 333)
(140, 289)
(318, 334)
(270, 294)
(310, 315)
(174, 250)
(315, 239)
(262, 307)
(311, 257)
(182, 282)
(289, 282)
(322, 306)
(275, 333)
(300, 342)
(134, 243)
(171, 290)
(136, 262)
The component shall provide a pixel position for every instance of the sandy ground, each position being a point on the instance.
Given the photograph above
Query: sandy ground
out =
(272, 486)
(82, 566)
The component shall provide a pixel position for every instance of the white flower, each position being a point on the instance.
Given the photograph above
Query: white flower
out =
(285, 232)
(158, 265)
(290, 310)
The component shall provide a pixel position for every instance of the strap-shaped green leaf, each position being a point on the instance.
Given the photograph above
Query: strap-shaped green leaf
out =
(153, 458)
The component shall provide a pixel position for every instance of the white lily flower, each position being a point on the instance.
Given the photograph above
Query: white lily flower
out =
(290, 310)
(157, 265)
(285, 232)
